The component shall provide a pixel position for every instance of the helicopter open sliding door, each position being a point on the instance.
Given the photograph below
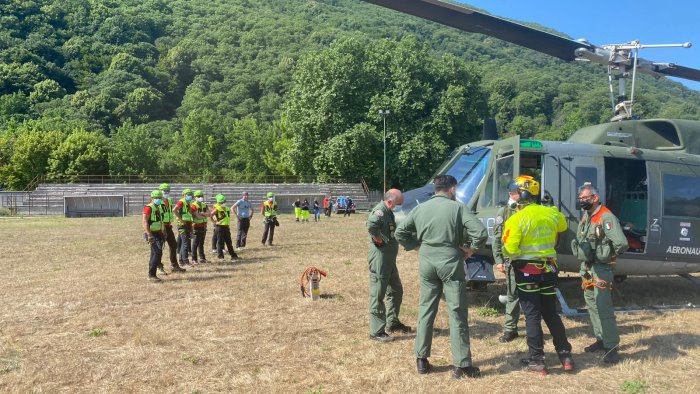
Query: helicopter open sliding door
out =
(627, 196)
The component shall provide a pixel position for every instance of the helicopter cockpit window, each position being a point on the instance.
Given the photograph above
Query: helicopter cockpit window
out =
(469, 169)
(681, 196)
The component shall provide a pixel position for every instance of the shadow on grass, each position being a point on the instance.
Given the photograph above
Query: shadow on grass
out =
(668, 346)
(192, 278)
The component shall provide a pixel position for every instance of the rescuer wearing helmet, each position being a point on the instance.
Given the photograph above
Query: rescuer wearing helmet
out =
(153, 231)
(184, 225)
(529, 239)
(510, 326)
(221, 216)
(168, 233)
(599, 240)
(384, 277)
(269, 212)
(445, 234)
(200, 215)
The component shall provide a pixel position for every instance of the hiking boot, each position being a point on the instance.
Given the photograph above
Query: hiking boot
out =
(400, 327)
(382, 337)
(162, 271)
(537, 366)
(470, 372)
(566, 360)
(177, 268)
(422, 365)
(154, 279)
(508, 336)
(594, 347)
(611, 356)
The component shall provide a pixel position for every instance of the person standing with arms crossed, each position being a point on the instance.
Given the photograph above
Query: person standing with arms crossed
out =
(510, 326)
(445, 234)
(384, 277)
(244, 214)
(599, 240)
(529, 239)
(200, 215)
(221, 216)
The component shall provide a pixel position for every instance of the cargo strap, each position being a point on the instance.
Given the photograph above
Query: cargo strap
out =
(590, 284)
(306, 278)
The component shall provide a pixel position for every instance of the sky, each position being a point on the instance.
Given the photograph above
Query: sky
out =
(615, 22)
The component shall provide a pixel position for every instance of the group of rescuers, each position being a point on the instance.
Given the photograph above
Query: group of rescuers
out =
(445, 234)
(191, 214)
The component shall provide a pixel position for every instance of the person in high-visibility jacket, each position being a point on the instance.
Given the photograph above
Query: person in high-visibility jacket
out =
(153, 232)
(221, 216)
(599, 240)
(184, 226)
(529, 238)
(269, 212)
(200, 215)
(168, 227)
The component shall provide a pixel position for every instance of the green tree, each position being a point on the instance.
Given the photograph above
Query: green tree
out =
(134, 150)
(31, 151)
(81, 153)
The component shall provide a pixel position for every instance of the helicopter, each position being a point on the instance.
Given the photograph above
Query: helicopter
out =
(647, 171)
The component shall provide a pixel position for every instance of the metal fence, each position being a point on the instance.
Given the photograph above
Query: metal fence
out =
(233, 178)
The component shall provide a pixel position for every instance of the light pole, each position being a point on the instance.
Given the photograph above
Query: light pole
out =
(384, 113)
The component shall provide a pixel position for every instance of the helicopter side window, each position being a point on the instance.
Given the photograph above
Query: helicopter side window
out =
(681, 196)
(583, 175)
(469, 170)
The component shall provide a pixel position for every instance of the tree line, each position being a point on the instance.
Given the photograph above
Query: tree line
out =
(244, 89)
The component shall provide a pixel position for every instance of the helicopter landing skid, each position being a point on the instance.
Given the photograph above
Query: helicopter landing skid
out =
(567, 311)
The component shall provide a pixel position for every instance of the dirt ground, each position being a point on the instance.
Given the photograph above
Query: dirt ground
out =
(78, 315)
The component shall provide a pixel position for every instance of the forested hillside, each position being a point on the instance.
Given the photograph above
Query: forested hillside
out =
(244, 89)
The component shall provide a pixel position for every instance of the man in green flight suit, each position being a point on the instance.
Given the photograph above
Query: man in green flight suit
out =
(445, 234)
(383, 275)
(510, 326)
(599, 240)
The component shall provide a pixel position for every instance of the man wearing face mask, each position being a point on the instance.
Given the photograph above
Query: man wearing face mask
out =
(200, 215)
(168, 227)
(153, 231)
(529, 238)
(384, 277)
(599, 240)
(510, 326)
(445, 234)
(269, 212)
(184, 226)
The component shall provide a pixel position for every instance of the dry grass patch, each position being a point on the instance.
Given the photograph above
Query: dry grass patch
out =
(79, 316)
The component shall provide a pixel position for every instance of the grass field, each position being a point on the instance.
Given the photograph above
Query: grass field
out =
(78, 315)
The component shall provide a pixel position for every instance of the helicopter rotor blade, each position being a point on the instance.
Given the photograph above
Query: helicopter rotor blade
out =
(477, 22)
(563, 48)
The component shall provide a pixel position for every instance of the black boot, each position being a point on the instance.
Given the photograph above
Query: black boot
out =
(566, 360)
(470, 372)
(508, 336)
(594, 347)
(611, 356)
(422, 365)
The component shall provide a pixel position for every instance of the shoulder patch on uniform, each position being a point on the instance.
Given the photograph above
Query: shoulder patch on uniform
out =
(378, 213)
(499, 219)
(608, 225)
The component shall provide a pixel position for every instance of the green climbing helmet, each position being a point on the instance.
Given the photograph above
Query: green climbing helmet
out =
(220, 198)
(186, 191)
(164, 186)
(156, 194)
(198, 193)
(270, 194)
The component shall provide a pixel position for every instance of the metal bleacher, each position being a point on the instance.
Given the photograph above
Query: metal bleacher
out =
(48, 198)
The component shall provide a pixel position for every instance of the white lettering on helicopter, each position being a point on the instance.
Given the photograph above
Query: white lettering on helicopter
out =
(683, 250)
(488, 223)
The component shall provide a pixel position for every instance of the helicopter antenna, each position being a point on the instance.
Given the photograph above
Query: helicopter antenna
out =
(624, 57)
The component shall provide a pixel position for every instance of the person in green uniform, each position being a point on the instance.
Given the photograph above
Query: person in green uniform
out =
(445, 234)
(384, 277)
(510, 326)
(153, 232)
(599, 240)
(168, 232)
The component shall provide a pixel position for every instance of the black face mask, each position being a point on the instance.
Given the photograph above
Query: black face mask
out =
(586, 205)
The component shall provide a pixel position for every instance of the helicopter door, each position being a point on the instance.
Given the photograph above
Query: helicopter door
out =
(575, 171)
(675, 189)
(493, 193)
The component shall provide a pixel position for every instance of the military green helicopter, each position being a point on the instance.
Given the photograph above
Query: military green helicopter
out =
(647, 171)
